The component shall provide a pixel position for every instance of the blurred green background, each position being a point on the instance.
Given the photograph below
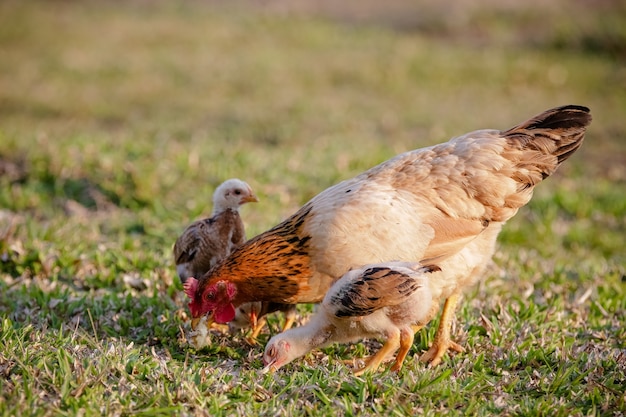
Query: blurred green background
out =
(141, 108)
(118, 119)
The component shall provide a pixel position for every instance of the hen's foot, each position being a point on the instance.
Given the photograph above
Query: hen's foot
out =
(442, 341)
(435, 354)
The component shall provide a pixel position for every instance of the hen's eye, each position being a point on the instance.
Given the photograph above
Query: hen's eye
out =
(210, 296)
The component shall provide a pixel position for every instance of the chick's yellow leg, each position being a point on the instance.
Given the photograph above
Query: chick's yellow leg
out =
(256, 330)
(290, 318)
(442, 341)
(406, 341)
(372, 363)
(416, 328)
(366, 359)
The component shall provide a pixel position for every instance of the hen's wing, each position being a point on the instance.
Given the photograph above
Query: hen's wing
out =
(428, 204)
(361, 292)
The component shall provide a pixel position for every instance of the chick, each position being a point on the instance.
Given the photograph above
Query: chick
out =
(387, 300)
(207, 241)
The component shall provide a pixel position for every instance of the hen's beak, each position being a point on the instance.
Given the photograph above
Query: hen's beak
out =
(196, 320)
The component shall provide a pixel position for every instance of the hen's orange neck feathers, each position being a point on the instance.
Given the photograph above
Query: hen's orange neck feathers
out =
(260, 268)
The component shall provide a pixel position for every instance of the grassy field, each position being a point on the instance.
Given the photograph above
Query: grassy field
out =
(118, 120)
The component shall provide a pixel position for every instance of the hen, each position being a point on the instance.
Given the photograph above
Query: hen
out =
(380, 300)
(205, 242)
(444, 204)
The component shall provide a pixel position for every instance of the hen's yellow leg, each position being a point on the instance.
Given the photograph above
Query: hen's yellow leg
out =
(442, 341)
(406, 341)
(372, 363)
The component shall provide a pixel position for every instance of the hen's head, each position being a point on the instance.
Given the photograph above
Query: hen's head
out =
(277, 353)
(231, 194)
(214, 300)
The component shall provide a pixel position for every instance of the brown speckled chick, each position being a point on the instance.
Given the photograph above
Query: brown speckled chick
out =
(207, 241)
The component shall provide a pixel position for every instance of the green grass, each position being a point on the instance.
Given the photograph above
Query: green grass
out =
(118, 121)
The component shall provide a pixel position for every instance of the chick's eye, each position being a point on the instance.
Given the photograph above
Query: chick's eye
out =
(237, 192)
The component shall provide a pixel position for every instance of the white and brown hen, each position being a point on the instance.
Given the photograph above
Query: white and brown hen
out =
(444, 204)
(386, 301)
(207, 241)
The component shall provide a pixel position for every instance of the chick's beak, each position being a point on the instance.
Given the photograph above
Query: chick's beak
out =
(269, 368)
(252, 198)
